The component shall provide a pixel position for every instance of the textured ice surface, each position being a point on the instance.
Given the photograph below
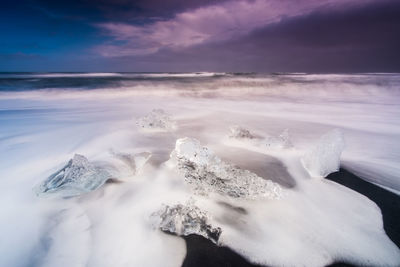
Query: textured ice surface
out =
(324, 157)
(206, 173)
(185, 220)
(156, 120)
(78, 176)
(281, 141)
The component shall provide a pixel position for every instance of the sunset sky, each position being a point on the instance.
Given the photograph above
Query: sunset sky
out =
(194, 35)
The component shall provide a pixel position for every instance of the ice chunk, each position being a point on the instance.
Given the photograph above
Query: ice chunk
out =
(206, 173)
(324, 157)
(278, 142)
(191, 150)
(270, 142)
(157, 120)
(78, 176)
(284, 138)
(240, 133)
(185, 220)
(135, 162)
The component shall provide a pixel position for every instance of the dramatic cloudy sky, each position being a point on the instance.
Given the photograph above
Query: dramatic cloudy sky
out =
(200, 35)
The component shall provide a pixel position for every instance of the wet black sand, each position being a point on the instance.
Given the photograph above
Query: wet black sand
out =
(203, 253)
(388, 202)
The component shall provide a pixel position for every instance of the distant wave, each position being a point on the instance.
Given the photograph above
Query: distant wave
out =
(107, 74)
(57, 75)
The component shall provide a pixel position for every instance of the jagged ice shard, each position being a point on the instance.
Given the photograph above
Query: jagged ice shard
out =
(206, 173)
(78, 176)
(324, 157)
(185, 220)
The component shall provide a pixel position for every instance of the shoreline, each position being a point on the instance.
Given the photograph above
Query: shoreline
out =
(202, 252)
(387, 201)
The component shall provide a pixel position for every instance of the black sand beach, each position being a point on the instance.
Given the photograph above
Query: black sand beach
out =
(202, 252)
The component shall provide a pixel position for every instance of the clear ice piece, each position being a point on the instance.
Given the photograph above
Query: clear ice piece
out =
(206, 173)
(135, 162)
(324, 157)
(284, 138)
(78, 176)
(157, 120)
(281, 141)
(184, 220)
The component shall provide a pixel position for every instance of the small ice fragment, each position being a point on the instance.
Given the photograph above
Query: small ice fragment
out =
(278, 142)
(324, 157)
(78, 176)
(141, 159)
(285, 139)
(185, 220)
(270, 142)
(240, 133)
(206, 173)
(134, 161)
(157, 120)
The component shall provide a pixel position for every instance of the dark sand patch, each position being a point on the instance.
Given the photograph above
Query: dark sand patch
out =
(201, 252)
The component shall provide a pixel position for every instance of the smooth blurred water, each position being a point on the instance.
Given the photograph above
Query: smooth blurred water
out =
(365, 106)
(45, 118)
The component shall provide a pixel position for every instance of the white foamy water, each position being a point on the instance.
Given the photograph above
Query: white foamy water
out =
(315, 222)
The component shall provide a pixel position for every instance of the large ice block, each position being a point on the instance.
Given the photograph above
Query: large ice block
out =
(324, 157)
(206, 173)
(78, 176)
(184, 220)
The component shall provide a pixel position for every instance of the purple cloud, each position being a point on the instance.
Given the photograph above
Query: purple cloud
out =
(209, 24)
